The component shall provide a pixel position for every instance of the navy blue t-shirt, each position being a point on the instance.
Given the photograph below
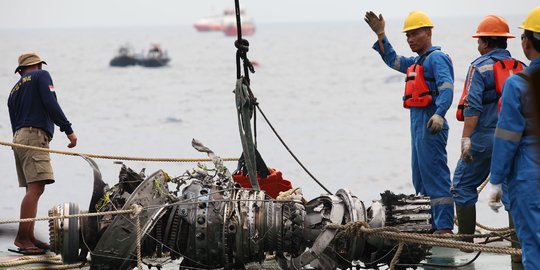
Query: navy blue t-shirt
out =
(32, 103)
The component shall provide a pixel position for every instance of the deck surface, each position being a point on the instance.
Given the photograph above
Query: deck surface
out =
(441, 256)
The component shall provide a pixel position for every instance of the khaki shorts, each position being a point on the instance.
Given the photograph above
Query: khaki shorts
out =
(32, 165)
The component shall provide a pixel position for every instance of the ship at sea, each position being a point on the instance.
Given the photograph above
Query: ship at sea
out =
(226, 23)
(125, 57)
(155, 57)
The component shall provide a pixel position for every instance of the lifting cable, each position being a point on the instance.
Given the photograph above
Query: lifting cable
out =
(246, 103)
(290, 152)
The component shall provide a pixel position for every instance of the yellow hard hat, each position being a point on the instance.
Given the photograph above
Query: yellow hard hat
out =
(415, 20)
(532, 22)
(493, 26)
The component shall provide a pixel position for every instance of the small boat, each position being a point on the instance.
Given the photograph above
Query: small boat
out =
(226, 23)
(156, 57)
(124, 58)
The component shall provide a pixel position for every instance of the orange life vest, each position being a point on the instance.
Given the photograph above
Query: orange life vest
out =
(502, 69)
(417, 93)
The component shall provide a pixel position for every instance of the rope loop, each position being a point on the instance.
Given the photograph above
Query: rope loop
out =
(242, 45)
(136, 210)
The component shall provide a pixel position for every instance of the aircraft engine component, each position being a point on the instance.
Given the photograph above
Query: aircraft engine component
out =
(64, 236)
(209, 221)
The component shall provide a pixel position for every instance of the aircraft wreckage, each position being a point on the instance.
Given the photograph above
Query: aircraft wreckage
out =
(207, 220)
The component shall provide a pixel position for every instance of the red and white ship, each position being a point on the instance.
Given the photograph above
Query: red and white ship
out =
(213, 23)
(226, 23)
(248, 28)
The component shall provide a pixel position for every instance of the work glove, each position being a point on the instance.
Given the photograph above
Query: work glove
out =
(376, 23)
(495, 194)
(435, 123)
(466, 155)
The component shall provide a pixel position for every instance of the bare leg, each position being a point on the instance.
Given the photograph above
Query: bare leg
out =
(29, 204)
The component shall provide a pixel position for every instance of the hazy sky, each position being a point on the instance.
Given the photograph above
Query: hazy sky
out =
(92, 13)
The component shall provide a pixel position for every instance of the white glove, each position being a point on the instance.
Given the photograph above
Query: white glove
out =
(495, 194)
(376, 23)
(466, 146)
(435, 123)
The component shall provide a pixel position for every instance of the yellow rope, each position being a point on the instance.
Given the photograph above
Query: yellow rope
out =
(494, 229)
(112, 157)
(482, 186)
(136, 211)
(395, 259)
(51, 259)
(130, 211)
(54, 267)
(361, 228)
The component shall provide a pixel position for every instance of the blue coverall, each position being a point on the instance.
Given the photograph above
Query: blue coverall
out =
(516, 160)
(482, 102)
(430, 173)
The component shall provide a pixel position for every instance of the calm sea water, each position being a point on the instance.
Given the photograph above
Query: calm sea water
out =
(325, 90)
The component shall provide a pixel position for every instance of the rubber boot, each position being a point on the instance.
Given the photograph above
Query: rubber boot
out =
(515, 243)
(466, 217)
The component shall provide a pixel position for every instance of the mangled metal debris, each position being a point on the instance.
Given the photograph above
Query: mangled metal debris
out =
(209, 221)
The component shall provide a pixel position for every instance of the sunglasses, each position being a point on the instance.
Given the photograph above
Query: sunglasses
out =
(523, 36)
